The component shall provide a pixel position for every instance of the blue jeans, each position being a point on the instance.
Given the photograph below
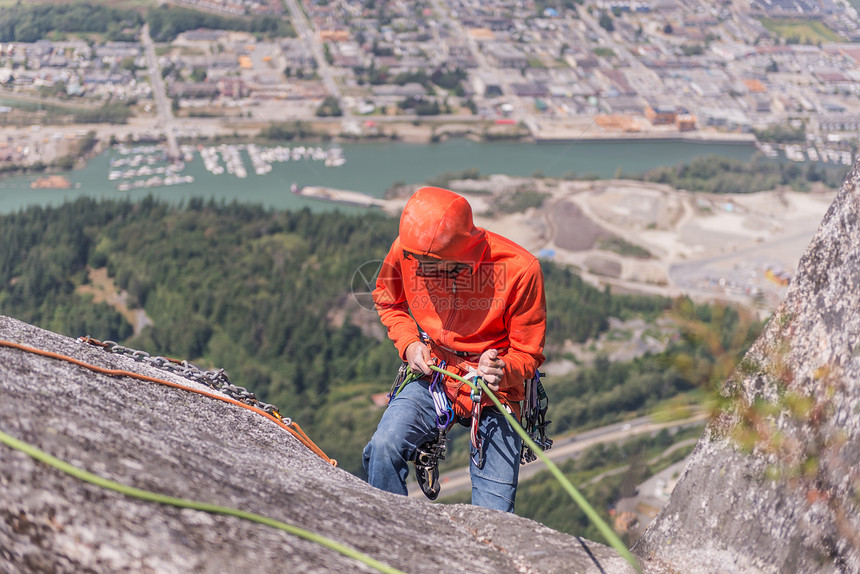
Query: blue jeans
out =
(410, 421)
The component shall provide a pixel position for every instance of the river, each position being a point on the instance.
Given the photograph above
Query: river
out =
(373, 167)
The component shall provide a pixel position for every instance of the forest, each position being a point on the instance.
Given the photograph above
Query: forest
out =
(26, 22)
(166, 22)
(714, 174)
(266, 295)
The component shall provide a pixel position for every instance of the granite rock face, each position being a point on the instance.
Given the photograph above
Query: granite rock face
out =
(181, 444)
(774, 484)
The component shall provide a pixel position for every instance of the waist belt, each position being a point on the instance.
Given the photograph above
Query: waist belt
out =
(425, 338)
(462, 354)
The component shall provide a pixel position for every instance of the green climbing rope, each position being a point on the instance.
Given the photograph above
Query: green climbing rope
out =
(183, 503)
(595, 518)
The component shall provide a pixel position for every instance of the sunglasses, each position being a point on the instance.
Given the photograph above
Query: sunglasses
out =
(434, 267)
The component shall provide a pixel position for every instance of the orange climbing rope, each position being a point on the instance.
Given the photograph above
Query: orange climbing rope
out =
(293, 427)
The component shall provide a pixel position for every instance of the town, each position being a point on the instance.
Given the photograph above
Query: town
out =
(782, 72)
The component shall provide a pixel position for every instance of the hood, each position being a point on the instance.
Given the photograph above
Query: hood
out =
(438, 223)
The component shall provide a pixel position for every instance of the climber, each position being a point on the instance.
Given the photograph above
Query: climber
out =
(449, 292)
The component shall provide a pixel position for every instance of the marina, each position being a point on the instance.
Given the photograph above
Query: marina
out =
(810, 152)
(135, 167)
(372, 168)
(262, 157)
(148, 166)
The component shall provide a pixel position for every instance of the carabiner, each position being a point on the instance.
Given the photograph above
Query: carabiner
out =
(477, 392)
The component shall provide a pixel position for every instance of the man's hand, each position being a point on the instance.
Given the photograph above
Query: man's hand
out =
(418, 358)
(491, 368)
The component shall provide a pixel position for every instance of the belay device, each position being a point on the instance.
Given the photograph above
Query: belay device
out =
(429, 454)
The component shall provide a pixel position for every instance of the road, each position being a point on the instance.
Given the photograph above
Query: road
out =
(649, 81)
(458, 481)
(306, 34)
(520, 114)
(683, 274)
(159, 94)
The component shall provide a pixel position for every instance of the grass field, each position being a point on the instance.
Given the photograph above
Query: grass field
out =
(804, 31)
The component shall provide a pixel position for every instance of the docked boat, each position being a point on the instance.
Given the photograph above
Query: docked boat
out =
(767, 150)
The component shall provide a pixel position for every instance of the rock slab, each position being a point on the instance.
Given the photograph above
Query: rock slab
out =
(181, 444)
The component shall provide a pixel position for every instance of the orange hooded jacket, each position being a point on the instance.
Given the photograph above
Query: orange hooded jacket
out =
(495, 301)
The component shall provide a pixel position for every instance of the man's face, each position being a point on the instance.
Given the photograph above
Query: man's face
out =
(432, 267)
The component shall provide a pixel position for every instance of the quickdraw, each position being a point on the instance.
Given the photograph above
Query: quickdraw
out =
(403, 378)
(429, 454)
(533, 418)
(216, 380)
(475, 427)
(444, 412)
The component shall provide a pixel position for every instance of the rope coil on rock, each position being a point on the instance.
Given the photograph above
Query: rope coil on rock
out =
(290, 426)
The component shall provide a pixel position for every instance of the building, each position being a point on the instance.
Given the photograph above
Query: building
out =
(661, 114)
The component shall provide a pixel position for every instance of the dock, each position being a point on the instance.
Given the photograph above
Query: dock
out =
(339, 196)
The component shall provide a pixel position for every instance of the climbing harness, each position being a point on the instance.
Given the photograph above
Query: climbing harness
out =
(429, 454)
(533, 418)
(290, 426)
